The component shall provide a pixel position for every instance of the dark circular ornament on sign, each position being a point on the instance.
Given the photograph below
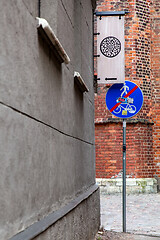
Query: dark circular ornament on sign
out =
(110, 46)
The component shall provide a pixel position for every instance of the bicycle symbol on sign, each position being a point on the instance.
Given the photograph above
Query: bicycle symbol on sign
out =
(126, 103)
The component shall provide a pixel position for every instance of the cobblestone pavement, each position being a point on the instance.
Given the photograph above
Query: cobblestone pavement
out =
(110, 235)
(143, 214)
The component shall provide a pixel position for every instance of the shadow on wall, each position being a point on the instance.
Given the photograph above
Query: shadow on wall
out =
(158, 183)
(43, 44)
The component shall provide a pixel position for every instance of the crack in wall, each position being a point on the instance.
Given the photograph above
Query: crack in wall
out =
(67, 14)
(27, 8)
(39, 121)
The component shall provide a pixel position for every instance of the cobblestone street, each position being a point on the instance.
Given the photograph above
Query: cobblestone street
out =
(110, 235)
(143, 215)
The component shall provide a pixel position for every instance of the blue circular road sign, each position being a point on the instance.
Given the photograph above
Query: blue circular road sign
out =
(124, 100)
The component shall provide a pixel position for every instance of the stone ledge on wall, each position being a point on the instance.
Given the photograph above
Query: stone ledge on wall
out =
(118, 120)
(133, 185)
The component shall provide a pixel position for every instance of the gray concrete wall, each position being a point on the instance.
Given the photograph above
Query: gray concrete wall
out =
(70, 228)
(47, 124)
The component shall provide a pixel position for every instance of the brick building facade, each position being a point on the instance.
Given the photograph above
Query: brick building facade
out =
(142, 60)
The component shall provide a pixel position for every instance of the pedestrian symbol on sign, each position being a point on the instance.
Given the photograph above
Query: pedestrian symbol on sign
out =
(125, 89)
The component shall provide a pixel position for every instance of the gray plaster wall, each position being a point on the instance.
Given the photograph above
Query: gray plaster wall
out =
(70, 228)
(46, 122)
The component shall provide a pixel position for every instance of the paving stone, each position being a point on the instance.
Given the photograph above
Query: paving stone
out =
(143, 213)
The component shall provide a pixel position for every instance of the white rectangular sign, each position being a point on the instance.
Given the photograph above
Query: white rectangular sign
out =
(110, 48)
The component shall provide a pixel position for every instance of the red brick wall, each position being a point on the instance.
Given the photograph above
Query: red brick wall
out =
(142, 66)
(139, 157)
(155, 79)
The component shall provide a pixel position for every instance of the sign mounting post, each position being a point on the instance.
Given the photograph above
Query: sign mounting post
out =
(124, 175)
(124, 101)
